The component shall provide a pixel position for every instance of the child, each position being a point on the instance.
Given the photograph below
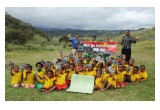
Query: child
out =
(49, 84)
(120, 76)
(80, 70)
(143, 73)
(61, 78)
(39, 75)
(71, 71)
(99, 80)
(90, 71)
(16, 76)
(28, 78)
(129, 70)
(135, 75)
(111, 83)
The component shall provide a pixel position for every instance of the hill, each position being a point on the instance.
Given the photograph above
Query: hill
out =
(19, 32)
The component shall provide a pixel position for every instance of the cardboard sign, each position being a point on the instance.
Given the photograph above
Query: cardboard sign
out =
(81, 83)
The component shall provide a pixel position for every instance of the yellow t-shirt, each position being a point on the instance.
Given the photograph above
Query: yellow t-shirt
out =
(30, 78)
(91, 73)
(143, 75)
(82, 73)
(61, 79)
(70, 74)
(105, 76)
(131, 70)
(16, 78)
(112, 81)
(41, 74)
(49, 82)
(98, 82)
(134, 77)
(120, 76)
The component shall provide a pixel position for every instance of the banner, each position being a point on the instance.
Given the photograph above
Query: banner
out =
(81, 83)
(99, 47)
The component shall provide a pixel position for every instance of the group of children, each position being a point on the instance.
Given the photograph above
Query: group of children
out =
(108, 73)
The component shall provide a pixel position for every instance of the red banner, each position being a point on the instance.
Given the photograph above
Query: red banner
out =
(100, 47)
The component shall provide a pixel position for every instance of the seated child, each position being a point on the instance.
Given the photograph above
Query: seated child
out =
(49, 83)
(90, 71)
(71, 71)
(39, 75)
(99, 80)
(120, 76)
(129, 70)
(28, 78)
(80, 69)
(111, 83)
(135, 75)
(16, 76)
(61, 78)
(143, 73)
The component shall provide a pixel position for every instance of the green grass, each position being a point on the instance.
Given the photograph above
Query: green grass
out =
(143, 52)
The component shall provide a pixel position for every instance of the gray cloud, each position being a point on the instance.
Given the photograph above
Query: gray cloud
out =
(86, 18)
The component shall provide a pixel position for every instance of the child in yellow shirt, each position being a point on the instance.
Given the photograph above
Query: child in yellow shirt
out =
(39, 75)
(61, 78)
(71, 72)
(111, 83)
(135, 75)
(129, 70)
(28, 78)
(143, 73)
(80, 69)
(16, 76)
(98, 84)
(49, 83)
(120, 76)
(90, 71)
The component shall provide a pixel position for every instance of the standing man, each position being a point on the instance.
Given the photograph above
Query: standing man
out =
(127, 40)
(75, 43)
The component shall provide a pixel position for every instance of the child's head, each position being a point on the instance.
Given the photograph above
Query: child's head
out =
(79, 54)
(29, 69)
(135, 69)
(98, 73)
(66, 66)
(50, 73)
(120, 67)
(100, 65)
(142, 68)
(16, 68)
(59, 69)
(39, 66)
(72, 66)
(131, 62)
(124, 62)
(90, 67)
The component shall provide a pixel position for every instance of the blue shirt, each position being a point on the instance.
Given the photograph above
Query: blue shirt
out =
(75, 43)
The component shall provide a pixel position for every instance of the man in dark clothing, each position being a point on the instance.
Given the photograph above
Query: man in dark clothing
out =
(127, 40)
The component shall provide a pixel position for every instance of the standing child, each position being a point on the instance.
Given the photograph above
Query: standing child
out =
(16, 76)
(49, 84)
(28, 78)
(135, 75)
(143, 73)
(99, 80)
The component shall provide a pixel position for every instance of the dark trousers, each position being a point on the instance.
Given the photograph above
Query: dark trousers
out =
(127, 53)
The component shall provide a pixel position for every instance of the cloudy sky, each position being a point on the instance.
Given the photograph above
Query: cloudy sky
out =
(100, 18)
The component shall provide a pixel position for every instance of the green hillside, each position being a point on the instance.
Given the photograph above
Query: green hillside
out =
(20, 33)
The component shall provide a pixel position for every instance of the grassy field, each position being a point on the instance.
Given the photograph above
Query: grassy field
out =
(143, 52)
